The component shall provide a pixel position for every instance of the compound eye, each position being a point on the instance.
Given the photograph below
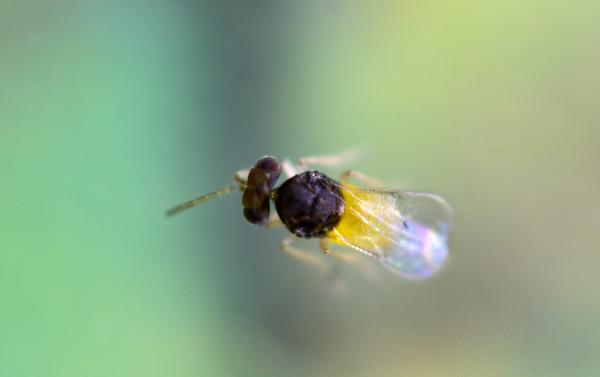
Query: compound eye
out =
(271, 167)
(255, 201)
(257, 216)
(257, 190)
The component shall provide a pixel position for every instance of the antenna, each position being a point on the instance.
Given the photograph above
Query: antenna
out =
(201, 199)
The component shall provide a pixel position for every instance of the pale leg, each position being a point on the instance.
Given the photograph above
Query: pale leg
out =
(273, 221)
(331, 160)
(331, 275)
(303, 255)
(355, 260)
(371, 182)
(344, 257)
(289, 169)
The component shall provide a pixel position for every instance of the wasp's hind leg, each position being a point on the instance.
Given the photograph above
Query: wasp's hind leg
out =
(371, 182)
(331, 274)
(303, 255)
(344, 257)
(361, 262)
(330, 160)
(303, 164)
(353, 259)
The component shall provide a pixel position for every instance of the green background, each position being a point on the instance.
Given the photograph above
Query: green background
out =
(113, 111)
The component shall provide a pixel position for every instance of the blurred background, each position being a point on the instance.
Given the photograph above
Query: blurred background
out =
(112, 111)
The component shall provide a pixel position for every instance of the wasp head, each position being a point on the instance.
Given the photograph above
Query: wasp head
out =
(261, 180)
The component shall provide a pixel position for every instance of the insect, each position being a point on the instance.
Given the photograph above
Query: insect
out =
(404, 230)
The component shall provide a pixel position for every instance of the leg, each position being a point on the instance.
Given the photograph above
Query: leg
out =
(345, 257)
(289, 169)
(303, 256)
(331, 275)
(372, 182)
(273, 221)
(330, 161)
(354, 259)
(323, 246)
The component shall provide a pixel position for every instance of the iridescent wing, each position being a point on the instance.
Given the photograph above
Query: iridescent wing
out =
(406, 231)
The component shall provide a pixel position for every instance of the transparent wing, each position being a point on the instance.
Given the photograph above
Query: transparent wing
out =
(406, 231)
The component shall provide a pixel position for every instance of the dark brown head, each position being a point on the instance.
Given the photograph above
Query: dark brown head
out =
(309, 204)
(261, 180)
